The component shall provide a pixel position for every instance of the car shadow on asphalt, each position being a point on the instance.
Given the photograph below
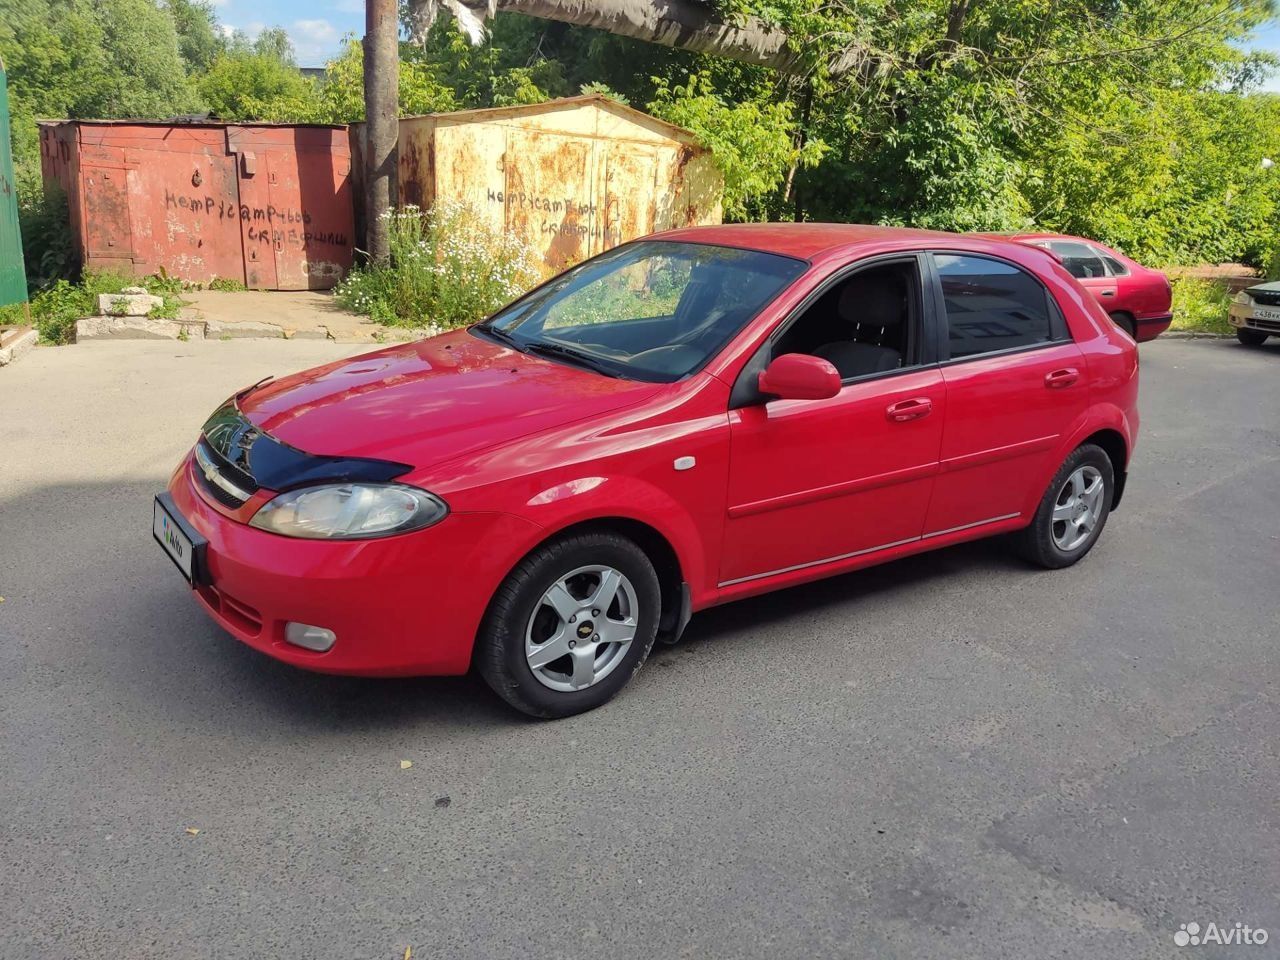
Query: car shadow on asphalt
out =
(908, 576)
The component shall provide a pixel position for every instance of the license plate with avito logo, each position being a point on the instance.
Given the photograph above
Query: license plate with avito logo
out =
(179, 540)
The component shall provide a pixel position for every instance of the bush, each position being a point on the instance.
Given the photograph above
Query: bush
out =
(46, 234)
(1200, 305)
(55, 310)
(448, 268)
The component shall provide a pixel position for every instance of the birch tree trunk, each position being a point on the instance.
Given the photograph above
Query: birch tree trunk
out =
(685, 24)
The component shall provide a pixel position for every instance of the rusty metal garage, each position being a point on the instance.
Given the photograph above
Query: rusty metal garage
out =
(573, 177)
(267, 205)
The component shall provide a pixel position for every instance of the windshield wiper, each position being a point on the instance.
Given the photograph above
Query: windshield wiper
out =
(573, 355)
(502, 337)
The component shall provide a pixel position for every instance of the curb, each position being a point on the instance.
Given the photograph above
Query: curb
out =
(16, 343)
(92, 329)
(1194, 335)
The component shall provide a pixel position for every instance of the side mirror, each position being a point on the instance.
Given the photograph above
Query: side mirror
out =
(799, 376)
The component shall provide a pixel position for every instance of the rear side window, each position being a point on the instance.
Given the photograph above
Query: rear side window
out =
(992, 305)
(1080, 259)
(1114, 266)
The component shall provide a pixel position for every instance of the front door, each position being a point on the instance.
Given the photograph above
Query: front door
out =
(817, 481)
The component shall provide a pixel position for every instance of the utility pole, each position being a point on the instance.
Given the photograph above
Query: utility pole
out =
(381, 115)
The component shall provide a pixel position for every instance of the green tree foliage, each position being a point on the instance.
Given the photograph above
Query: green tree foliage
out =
(339, 97)
(90, 58)
(1124, 121)
(199, 39)
(256, 81)
(752, 139)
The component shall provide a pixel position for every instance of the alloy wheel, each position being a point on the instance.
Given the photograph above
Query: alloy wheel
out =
(1078, 508)
(581, 628)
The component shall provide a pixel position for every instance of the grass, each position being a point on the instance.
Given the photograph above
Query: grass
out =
(1200, 306)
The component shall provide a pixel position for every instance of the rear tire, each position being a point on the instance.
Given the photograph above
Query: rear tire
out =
(1250, 338)
(571, 625)
(1125, 323)
(1072, 512)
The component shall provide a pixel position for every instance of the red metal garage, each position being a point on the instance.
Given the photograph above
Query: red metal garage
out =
(268, 205)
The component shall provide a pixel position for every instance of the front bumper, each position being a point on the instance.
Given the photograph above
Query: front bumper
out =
(406, 605)
(1241, 315)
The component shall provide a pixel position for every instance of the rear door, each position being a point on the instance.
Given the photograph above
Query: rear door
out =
(1015, 383)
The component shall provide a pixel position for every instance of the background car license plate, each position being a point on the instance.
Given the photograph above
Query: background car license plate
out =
(180, 542)
(1262, 313)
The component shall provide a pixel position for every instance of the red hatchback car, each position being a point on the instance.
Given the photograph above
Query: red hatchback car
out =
(1138, 298)
(685, 420)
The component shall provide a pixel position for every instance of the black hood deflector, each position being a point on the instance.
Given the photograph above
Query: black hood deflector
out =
(253, 458)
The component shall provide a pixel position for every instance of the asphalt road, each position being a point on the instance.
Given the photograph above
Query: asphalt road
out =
(952, 756)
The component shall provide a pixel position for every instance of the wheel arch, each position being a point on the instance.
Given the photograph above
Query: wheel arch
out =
(656, 545)
(672, 579)
(1113, 444)
(1105, 425)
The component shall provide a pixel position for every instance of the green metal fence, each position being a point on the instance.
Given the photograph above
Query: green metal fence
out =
(13, 275)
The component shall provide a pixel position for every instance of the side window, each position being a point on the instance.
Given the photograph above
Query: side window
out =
(1114, 267)
(864, 324)
(992, 305)
(1080, 259)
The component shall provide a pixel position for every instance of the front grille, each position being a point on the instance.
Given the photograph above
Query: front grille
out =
(1268, 298)
(227, 485)
(1271, 326)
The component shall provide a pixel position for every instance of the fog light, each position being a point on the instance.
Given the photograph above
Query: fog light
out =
(313, 638)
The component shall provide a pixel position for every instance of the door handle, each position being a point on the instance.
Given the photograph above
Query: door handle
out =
(905, 410)
(1056, 379)
(1107, 293)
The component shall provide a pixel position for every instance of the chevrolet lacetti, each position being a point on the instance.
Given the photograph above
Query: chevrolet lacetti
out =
(699, 416)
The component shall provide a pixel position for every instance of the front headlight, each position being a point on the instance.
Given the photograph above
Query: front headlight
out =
(1244, 299)
(349, 511)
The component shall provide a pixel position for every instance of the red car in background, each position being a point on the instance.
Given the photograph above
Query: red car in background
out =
(1137, 297)
(682, 421)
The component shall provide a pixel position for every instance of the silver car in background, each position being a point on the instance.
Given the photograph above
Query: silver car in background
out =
(1255, 313)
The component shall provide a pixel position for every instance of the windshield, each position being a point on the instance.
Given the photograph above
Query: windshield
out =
(654, 310)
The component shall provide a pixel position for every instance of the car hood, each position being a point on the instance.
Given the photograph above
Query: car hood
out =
(430, 401)
(1272, 287)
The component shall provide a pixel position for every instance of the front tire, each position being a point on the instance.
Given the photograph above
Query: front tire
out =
(1250, 338)
(1072, 512)
(570, 625)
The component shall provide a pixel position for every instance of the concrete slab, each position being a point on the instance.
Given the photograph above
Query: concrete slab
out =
(127, 303)
(127, 328)
(233, 330)
(294, 314)
(15, 342)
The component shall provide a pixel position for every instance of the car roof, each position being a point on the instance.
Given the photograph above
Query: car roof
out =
(805, 240)
(1024, 237)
